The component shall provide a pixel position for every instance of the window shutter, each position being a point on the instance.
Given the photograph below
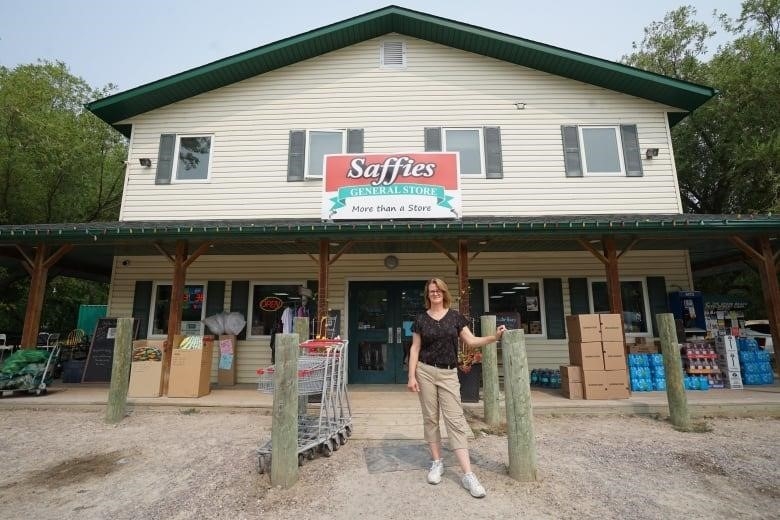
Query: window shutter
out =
(355, 140)
(578, 296)
(296, 159)
(656, 293)
(476, 304)
(571, 151)
(215, 298)
(239, 302)
(553, 308)
(494, 166)
(631, 155)
(142, 301)
(433, 139)
(165, 159)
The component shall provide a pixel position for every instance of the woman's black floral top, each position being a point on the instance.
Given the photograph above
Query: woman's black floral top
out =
(439, 343)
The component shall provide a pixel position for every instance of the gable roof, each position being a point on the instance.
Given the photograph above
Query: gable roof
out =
(393, 19)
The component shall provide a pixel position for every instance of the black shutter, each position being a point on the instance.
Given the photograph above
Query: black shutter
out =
(494, 165)
(476, 304)
(632, 157)
(215, 298)
(142, 300)
(239, 302)
(571, 151)
(656, 293)
(578, 296)
(553, 308)
(433, 139)
(165, 159)
(355, 140)
(296, 159)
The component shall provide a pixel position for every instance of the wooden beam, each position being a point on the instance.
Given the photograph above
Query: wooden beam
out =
(341, 251)
(198, 252)
(481, 249)
(587, 246)
(57, 256)
(28, 262)
(629, 247)
(322, 296)
(440, 247)
(174, 313)
(463, 277)
(749, 251)
(165, 253)
(613, 276)
(32, 315)
(771, 288)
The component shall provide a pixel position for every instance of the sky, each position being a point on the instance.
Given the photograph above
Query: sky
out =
(141, 41)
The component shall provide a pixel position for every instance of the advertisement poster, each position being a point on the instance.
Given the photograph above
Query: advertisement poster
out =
(391, 186)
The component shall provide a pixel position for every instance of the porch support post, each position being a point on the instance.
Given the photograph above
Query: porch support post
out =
(174, 313)
(322, 297)
(38, 268)
(613, 277)
(463, 277)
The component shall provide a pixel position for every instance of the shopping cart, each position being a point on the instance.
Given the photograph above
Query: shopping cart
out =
(321, 370)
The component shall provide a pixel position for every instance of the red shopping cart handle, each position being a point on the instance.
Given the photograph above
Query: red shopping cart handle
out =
(321, 343)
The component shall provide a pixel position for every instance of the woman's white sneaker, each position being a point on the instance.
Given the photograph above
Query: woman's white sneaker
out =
(471, 483)
(436, 471)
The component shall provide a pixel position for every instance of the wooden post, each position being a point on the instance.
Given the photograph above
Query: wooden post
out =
(301, 328)
(38, 268)
(120, 371)
(519, 417)
(284, 421)
(490, 373)
(174, 313)
(771, 288)
(463, 278)
(322, 290)
(675, 389)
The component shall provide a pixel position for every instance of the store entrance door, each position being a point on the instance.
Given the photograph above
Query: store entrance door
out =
(380, 329)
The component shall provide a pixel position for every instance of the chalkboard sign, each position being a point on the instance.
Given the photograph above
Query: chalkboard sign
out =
(511, 320)
(100, 358)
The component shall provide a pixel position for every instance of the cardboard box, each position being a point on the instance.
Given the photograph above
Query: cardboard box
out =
(614, 355)
(226, 371)
(190, 370)
(583, 327)
(146, 376)
(605, 384)
(611, 327)
(645, 348)
(572, 390)
(571, 373)
(586, 355)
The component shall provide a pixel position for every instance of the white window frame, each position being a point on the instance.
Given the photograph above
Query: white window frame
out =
(150, 328)
(618, 140)
(175, 172)
(382, 64)
(481, 142)
(251, 307)
(307, 175)
(519, 279)
(645, 300)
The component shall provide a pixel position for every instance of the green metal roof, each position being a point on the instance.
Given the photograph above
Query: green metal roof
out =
(392, 19)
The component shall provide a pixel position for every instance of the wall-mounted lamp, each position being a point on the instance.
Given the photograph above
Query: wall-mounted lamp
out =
(651, 152)
(125, 262)
(145, 161)
(520, 105)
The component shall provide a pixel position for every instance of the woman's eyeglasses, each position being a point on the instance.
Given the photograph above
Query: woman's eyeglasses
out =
(434, 292)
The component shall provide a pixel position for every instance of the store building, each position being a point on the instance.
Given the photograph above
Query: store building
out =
(337, 170)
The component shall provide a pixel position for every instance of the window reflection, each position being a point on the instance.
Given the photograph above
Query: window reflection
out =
(634, 312)
(516, 301)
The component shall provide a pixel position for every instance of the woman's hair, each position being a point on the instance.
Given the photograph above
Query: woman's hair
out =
(445, 292)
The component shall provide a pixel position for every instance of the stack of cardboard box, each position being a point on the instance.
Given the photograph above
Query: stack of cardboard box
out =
(190, 369)
(597, 346)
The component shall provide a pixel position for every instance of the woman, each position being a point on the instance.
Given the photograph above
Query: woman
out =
(433, 373)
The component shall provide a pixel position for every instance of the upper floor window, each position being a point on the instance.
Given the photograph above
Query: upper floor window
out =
(601, 150)
(319, 144)
(479, 148)
(184, 158)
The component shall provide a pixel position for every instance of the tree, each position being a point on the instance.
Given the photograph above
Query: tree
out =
(727, 151)
(58, 163)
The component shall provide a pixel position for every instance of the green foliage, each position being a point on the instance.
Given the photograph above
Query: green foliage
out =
(728, 151)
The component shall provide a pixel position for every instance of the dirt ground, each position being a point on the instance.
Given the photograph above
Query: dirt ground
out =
(186, 464)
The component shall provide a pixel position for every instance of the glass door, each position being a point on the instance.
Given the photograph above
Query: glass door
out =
(380, 329)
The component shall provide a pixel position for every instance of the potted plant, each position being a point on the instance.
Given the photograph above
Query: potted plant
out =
(469, 373)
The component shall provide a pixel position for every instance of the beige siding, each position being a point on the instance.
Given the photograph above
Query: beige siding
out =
(255, 353)
(251, 120)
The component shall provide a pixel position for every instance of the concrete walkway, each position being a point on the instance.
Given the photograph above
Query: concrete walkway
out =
(382, 412)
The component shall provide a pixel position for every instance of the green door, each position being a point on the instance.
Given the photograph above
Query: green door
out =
(380, 329)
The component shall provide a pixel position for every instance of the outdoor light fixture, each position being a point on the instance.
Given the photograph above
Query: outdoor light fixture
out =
(145, 161)
(520, 105)
(651, 152)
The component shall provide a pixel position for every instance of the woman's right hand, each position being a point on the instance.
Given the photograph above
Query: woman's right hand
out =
(412, 384)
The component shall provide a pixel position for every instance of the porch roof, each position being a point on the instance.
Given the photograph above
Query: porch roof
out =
(704, 236)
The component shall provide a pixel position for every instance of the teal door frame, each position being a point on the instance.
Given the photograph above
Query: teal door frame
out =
(380, 318)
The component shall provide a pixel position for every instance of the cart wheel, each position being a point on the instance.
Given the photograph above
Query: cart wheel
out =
(300, 459)
(310, 454)
(334, 443)
(348, 429)
(261, 464)
(342, 438)
(327, 451)
(42, 386)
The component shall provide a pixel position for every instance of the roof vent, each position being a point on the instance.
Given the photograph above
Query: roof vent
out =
(392, 54)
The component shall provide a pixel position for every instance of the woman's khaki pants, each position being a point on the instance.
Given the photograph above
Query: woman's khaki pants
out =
(440, 391)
